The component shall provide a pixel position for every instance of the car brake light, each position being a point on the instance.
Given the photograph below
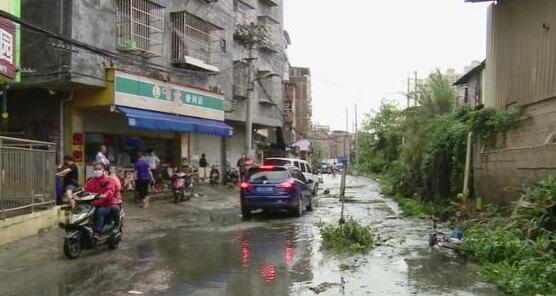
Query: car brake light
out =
(266, 167)
(287, 184)
(244, 185)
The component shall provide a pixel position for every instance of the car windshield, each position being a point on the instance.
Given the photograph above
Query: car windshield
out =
(277, 162)
(274, 175)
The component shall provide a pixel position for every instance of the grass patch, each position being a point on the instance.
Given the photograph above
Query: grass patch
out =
(350, 237)
(519, 252)
(520, 266)
(415, 208)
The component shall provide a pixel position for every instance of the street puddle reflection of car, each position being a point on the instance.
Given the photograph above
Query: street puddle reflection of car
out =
(273, 254)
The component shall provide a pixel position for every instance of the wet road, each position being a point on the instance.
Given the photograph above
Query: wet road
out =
(204, 248)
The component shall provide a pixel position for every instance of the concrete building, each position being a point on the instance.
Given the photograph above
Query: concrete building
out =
(520, 71)
(469, 87)
(300, 78)
(132, 69)
(289, 113)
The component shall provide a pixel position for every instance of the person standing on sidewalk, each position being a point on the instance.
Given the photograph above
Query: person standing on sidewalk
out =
(204, 168)
(101, 156)
(143, 177)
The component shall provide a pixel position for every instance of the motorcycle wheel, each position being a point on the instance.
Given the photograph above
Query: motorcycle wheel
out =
(114, 243)
(187, 194)
(72, 248)
(177, 197)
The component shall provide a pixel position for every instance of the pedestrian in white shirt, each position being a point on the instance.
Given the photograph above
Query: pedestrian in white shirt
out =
(101, 156)
(153, 161)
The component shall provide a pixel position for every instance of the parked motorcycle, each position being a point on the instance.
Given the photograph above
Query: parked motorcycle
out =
(182, 186)
(79, 227)
(214, 175)
(232, 175)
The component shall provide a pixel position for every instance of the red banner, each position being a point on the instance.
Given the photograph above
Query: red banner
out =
(7, 48)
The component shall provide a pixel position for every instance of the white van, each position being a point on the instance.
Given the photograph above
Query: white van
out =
(302, 165)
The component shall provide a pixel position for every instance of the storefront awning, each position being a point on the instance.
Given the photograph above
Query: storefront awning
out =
(153, 120)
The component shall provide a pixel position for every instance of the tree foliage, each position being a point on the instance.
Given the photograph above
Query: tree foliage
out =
(421, 150)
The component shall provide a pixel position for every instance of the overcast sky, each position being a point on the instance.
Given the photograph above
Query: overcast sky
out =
(361, 51)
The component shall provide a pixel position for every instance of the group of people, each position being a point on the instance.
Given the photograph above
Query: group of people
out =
(109, 187)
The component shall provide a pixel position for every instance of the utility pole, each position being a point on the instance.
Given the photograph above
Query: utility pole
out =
(408, 90)
(347, 132)
(415, 90)
(249, 107)
(356, 138)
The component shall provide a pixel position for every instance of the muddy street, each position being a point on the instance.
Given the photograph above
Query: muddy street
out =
(203, 247)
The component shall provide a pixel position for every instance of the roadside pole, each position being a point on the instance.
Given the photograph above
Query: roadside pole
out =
(343, 192)
(249, 107)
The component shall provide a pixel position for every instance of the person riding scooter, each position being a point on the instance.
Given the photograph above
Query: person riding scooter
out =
(102, 185)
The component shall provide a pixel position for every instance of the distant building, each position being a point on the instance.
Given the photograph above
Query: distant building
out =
(300, 78)
(469, 87)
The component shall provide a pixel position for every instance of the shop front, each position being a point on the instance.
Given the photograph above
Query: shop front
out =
(136, 114)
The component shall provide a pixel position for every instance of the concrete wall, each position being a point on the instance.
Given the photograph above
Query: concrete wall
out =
(19, 227)
(521, 155)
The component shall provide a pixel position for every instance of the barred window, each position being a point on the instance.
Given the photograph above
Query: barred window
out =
(140, 27)
(195, 42)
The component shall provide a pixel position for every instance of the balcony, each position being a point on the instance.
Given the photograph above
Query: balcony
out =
(195, 43)
(140, 27)
(273, 34)
(244, 14)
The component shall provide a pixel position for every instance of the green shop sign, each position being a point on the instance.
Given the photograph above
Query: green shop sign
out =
(141, 92)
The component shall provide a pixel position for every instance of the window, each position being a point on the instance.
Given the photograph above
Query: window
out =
(297, 165)
(296, 174)
(309, 170)
(140, 27)
(195, 42)
(304, 168)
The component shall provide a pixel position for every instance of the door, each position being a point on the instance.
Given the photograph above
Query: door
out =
(301, 181)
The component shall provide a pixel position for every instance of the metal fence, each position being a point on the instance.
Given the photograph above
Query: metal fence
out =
(27, 174)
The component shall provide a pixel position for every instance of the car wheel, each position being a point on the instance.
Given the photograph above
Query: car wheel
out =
(298, 211)
(316, 189)
(310, 205)
(245, 213)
